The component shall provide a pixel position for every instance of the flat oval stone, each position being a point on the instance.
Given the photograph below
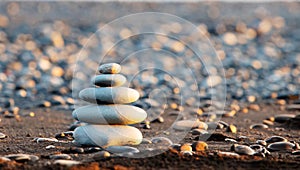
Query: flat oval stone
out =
(282, 118)
(109, 80)
(60, 156)
(243, 149)
(67, 163)
(110, 114)
(274, 139)
(189, 124)
(279, 146)
(259, 126)
(228, 154)
(122, 149)
(107, 135)
(109, 68)
(109, 95)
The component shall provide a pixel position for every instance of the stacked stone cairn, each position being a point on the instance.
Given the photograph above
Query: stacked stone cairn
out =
(108, 116)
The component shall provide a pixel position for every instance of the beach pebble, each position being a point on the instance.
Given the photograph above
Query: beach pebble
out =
(121, 149)
(199, 146)
(232, 129)
(228, 154)
(107, 135)
(274, 139)
(282, 118)
(242, 149)
(229, 140)
(101, 155)
(189, 124)
(4, 159)
(186, 147)
(199, 131)
(146, 141)
(214, 125)
(67, 163)
(258, 126)
(40, 140)
(73, 150)
(2, 135)
(109, 95)
(279, 146)
(109, 80)
(261, 142)
(109, 68)
(60, 156)
(110, 114)
(161, 141)
(22, 157)
(50, 147)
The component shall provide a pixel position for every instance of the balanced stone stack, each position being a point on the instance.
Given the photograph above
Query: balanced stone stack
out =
(108, 116)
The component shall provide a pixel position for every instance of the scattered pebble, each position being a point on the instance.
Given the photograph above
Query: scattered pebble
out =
(242, 149)
(199, 132)
(101, 155)
(282, 118)
(67, 163)
(186, 147)
(199, 146)
(189, 124)
(161, 141)
(60, 156)
(50, 147)
(274, 139)
(22, 157)
(279, 146)
(259, 126)
(2, 135)
(232, 129)
(40, 140)
(230, 140)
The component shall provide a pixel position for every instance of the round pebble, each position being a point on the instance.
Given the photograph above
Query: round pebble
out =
(242, 149)
(186, 147)
(199, 146)
(199, 131)
(232, 129)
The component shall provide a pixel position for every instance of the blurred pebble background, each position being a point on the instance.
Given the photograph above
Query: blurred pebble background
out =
(258, 44)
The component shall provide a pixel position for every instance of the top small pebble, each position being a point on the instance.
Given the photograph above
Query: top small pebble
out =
(109, 68)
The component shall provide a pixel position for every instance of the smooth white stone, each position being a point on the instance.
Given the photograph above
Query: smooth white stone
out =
(107, 135)
(110, 114)
(112, 95)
